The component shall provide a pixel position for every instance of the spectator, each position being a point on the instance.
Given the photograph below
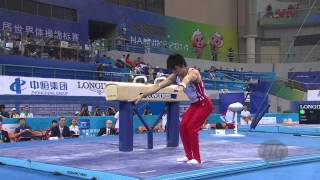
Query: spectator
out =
(77, 113)
(137, 70)
(123, 59)
(54, 124)
(23, 132)
(230, 55)
(151, 74)
(228, 118)
(245, 116)
(291, 11)
(227, 121)
(128, 61)
(100, 72)
(111, 111)
(140, 63)
(161, 127)
(132, 74)
(17, 46)
(108, 130)
(206, 125)
(219, 125)
(269, 12)
(26, 112)
(84, 110)
(4, 136)
(3, 113)
(30, 48)
(283, 13)
(160, 73)
(212, 68)
(74, 128)
(212, 75)
(277, 14)
(142, 129)
(97, 112)
(9, 43)
(13, 113)
(53, 45)
(61, 130)
(147, 111)
(119, 63)
(117, 118)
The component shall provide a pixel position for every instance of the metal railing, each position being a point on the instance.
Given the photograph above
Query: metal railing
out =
(248, 76)
(289, 13)
(64, 73)
(293, 84)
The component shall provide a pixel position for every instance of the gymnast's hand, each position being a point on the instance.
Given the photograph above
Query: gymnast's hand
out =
(178, 88)
(137, 99)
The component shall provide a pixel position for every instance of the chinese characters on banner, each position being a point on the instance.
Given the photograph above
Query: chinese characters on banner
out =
(39, 32)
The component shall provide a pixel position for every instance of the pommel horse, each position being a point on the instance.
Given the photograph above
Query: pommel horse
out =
(123, 92)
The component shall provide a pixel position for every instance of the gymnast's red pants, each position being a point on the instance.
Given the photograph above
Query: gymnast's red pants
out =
(191, 123)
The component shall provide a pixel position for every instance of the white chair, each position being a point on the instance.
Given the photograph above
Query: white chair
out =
(159, 79)
(140, 77)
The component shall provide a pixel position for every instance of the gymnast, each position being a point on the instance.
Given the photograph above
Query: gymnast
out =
(188, 80)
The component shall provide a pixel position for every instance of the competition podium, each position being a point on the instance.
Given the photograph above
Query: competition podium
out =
(124, 92)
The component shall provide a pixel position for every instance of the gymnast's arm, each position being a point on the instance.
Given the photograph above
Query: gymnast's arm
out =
(193, 75)
(156, 87)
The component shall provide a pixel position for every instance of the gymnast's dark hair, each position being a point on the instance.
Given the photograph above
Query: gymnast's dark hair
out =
(175, 60)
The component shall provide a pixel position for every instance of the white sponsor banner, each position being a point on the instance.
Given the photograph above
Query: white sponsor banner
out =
(13, 85)
(10, 127)
(268, 120)
(313, 95)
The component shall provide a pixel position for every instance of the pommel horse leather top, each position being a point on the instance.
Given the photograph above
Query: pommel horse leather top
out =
(122, 91)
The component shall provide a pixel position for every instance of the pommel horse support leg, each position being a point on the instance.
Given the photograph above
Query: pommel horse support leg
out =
(126, 108)
(173, 124)
(125, 126)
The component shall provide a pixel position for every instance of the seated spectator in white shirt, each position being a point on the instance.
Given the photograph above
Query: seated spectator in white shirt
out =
(245, 116)
(228, 121)
(164, 121)
(108, 130)
(117, 118)
(26, 112)
(161, 126)
(74, 128)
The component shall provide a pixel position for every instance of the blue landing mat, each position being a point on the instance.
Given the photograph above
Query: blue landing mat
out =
(99, 157)
(286, 129)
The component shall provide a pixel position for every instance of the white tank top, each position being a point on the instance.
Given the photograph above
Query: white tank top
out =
(194, 91)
